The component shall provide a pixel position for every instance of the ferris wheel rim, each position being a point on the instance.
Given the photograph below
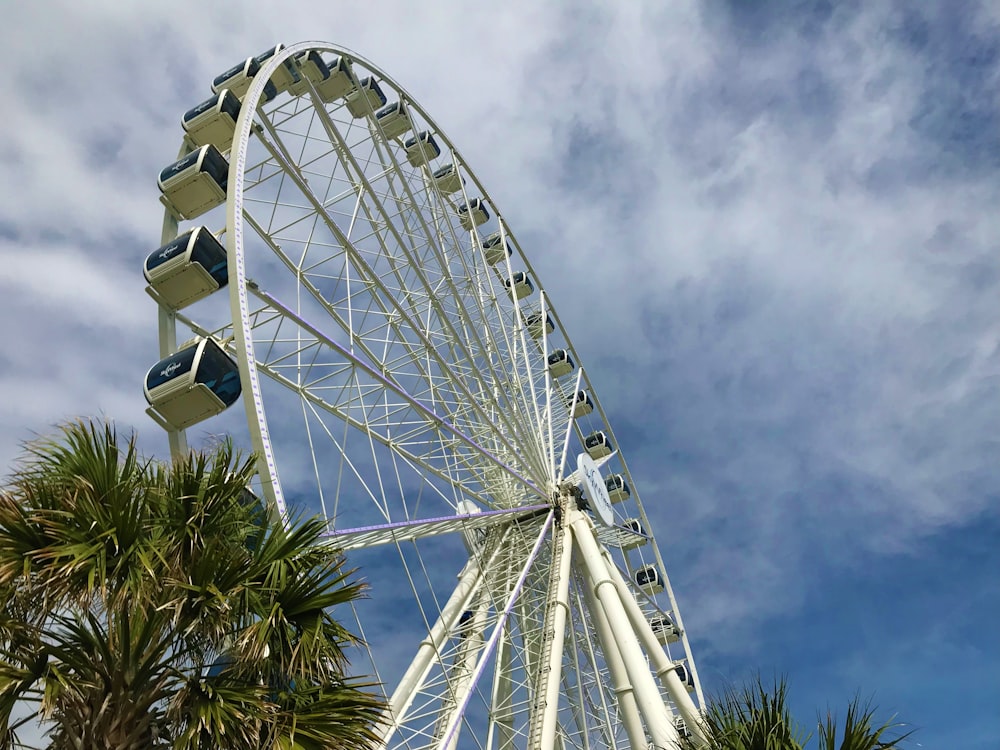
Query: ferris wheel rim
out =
(240, 284)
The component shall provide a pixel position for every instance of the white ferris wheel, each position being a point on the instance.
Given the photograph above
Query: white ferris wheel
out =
(336, 265)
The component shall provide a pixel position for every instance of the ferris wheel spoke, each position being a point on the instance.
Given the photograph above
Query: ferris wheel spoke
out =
(377, 380)
(454, 723)
(407, 208)
(381, 217)
(408, 324)
(404, 531)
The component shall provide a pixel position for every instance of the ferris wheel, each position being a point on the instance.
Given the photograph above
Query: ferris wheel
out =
(336, 267)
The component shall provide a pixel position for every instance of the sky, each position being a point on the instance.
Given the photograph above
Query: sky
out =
(770, 229)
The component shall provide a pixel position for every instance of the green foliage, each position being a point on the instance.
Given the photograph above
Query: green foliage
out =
(756, 717)
(860, 731)
(153, 606)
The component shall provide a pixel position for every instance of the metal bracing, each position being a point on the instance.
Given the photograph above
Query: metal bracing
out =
(550, 675)
(666, 670)
(469, 583)
(627, 707)
(654, 712)
(408, 400)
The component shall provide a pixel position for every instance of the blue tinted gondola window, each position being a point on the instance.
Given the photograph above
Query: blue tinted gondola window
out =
(170, 368)
(180, 165)
(171, 250)
(215, 164)
(219, 373)
(203, 107)
(212, 256)
(251, 71)
(265, 56)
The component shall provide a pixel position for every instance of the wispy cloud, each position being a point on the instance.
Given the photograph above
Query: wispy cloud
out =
(770, 231)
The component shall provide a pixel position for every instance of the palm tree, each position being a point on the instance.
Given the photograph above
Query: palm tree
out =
(154, 606)
(756, 717)
(860, 731)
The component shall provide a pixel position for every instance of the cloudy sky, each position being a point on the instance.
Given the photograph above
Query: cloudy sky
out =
(772, 233)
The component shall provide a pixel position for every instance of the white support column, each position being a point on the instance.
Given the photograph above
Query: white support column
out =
(470, 580)
(502, 715)
(168, 345)
(550, 715)
(168, 321)
(465, 663)
(624, 693)
(503, 616)
(647, 695)
(666, 671)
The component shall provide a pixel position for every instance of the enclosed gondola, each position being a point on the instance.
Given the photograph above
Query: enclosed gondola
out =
(649, 579)
(312, 71)
(197, 382)
(448, 179)
(598, 444)
(560, 363)
(195, 183)
(188, 268)
(213, 121)
(393, 119)
(473, 214)
(341, 82)
(421, 148)
(366, 97)
(495, 248)
(618, 489)
(685, 676)
(664, 629)
(538, 325)
(239, 78)
(635, 534)
(285, 75)
(519, 285)
(580, 404)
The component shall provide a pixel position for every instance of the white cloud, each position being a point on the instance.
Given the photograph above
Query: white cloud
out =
(769, 272)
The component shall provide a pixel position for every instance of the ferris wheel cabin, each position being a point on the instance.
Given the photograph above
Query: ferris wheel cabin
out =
(341, 82)
(448, 179)
(538, 325)
(560, 363)
(473, 214)
(635, 535)
(188, 268)
(213, 121)
(649, 579)
(579, 404)
(598, 444)
(239, 78)
(618, 489)
(519, 285)
(310, 69)
(195, 383)
(495, 249)
(365, 98)
(664, 629)
(421, 148)
(393, 119)
(195, 183)
(285, 75)
(685, 676)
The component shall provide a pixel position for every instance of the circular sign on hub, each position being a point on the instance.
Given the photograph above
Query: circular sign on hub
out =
(595, 489)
